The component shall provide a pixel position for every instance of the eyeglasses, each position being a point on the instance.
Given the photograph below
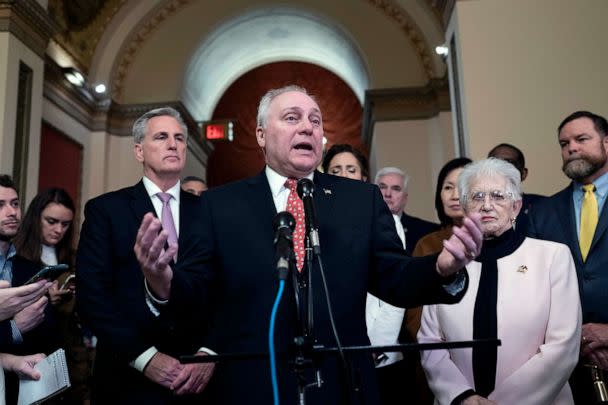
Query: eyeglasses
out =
(496, 196)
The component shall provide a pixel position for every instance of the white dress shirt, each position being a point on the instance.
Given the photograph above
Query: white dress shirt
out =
(383, 319)
(152, 189)
(280, 193)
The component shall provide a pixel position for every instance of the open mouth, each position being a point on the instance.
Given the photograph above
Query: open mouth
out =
(303, 146)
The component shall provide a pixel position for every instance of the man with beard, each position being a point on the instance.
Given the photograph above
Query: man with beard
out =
(577, 217)
(22, 308)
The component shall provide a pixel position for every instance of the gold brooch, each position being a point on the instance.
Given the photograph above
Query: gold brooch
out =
(522, 269)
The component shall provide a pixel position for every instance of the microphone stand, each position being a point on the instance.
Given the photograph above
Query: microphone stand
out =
(304, 342)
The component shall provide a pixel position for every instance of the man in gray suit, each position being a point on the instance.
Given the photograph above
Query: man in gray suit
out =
(564, 218)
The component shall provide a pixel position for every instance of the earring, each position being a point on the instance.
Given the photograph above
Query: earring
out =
(513, 222)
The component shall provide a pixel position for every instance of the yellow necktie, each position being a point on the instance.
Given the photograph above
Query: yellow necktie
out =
(589, 218)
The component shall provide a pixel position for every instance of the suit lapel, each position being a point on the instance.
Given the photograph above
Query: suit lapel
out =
(140, 202)
(186, 205)
(323, 198)
(565, 213)
(260, 199)
(602, 225)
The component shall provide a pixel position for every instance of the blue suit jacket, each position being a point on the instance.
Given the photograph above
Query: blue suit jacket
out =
(110, 296)
(235, 278)
(553, 219)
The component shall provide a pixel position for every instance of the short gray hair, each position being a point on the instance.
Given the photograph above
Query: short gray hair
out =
(490, 167)
(140, 126)
(385, 171)
(269, 96)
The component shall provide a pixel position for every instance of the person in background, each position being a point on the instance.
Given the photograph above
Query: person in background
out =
(450, 214)
(45, 237)
(194, 185)
(346, 161)
(395, 375)
(522, 291)
(138, 346)
(21, 312)
(393, 184)
(577, 216)
(447, 205)
(515, 156)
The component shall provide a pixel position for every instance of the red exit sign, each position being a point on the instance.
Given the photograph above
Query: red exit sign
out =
(218, 130)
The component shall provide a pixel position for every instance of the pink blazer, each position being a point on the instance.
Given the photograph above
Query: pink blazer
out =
(539, 323)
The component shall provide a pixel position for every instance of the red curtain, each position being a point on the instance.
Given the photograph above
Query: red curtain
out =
(60, 162)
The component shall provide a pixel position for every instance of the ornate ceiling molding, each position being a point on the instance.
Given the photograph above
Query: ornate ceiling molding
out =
(80, 42)
(135, 41)
(29, 22)
(411, 30)
(404, 104)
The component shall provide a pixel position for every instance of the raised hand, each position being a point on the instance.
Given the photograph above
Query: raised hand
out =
(153, 258)
(462, 247)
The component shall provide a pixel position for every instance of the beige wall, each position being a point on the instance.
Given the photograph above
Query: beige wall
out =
(525, 65)
(418, 147)
(12, 51)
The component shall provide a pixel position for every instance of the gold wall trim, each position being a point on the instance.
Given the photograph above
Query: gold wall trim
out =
(388, 7)
(29, 22)
(135, 42)
(401, 104)
(411, 30)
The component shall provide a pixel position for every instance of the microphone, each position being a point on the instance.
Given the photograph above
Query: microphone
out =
(283, 224)
(306, 189)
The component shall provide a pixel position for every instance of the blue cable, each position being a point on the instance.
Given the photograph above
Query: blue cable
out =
(273, 361)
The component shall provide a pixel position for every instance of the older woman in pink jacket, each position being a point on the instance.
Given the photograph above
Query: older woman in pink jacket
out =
(522, 291)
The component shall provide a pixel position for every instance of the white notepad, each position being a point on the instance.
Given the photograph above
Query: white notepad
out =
(54, 379)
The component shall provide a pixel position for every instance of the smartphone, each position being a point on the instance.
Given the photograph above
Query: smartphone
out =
(49, 273)
(68, 279)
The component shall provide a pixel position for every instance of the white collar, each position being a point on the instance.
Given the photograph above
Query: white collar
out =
(153, 189)
(277, 181)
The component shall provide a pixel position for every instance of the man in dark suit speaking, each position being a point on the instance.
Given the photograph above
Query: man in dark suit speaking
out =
(234, 278)
(137, 351)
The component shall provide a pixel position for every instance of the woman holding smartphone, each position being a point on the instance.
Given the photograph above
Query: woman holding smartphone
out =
(45, 236)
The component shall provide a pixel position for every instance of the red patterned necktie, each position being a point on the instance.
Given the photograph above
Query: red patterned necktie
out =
(295, 207)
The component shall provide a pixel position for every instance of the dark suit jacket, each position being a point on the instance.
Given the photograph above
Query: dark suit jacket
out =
(415, 228)
(236, 269)
(553, 219)
(528, 201)
(110, 295)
